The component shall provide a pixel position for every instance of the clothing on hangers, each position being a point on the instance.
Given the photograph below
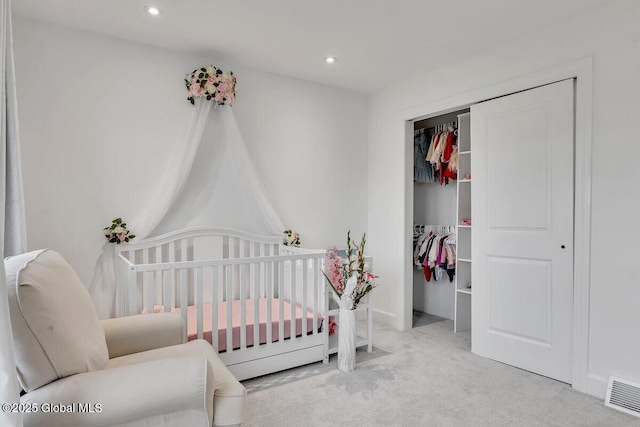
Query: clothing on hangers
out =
(441, 149)
(435, 251)
(422, 170)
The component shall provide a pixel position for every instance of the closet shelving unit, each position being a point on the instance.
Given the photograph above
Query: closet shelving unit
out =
(462, 317)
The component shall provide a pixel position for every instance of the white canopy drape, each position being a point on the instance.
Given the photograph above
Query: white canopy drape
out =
(210, 180)
(12, 219)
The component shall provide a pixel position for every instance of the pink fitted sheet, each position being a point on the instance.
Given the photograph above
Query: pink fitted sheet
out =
(192, 319)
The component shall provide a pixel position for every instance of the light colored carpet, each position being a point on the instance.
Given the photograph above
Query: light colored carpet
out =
(423, 377)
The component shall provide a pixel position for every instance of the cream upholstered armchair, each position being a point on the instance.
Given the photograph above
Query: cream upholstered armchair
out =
(133, 371)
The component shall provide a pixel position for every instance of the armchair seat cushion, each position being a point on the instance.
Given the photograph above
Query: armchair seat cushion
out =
(160, 393)
(229, 394)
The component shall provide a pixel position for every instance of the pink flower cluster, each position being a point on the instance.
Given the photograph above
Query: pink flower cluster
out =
(332, 325)
(212, 83)
(336, 269)
(353, 273)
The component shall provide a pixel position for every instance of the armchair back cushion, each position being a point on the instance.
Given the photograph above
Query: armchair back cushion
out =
(56, 330)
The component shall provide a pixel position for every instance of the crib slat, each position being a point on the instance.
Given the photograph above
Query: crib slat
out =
(166, 292)
(293, 320)
(257, 268)
(214, 308)
(263, 285)
(305, 268)
(316, 277)
(269, 276)
(184, 281)
(183, 296)
(157, 287)
(199, 299)
(243, 306)
(148, 295)
(229, 288)
(252, 271)
(155, 256)
(146, 277)
(280, 301)
(172, 275)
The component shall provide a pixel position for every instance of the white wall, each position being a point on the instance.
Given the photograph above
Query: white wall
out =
(612, 37)
(99, 117)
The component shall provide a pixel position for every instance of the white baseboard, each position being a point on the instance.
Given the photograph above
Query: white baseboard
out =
(597, 386)
(385, 318)
(440, 310)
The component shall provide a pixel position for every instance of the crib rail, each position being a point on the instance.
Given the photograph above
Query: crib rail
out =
(242, 285)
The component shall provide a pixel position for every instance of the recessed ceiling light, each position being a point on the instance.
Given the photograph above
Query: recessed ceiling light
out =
(152, 10)
(330, 59)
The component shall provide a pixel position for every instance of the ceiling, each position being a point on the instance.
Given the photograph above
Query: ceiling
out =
(374, 40)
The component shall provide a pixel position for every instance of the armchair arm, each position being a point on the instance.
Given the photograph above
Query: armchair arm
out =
(142, 332)
(168, 392)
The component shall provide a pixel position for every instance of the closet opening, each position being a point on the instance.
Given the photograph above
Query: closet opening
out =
(441, 220)
(581, 73)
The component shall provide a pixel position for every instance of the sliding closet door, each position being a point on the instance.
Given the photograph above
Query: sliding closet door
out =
(522, 225)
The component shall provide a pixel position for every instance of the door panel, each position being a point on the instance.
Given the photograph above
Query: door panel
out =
(522, 219)
(520, 288)
(515, 170)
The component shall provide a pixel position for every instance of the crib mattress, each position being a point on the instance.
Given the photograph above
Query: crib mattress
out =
(192, 319)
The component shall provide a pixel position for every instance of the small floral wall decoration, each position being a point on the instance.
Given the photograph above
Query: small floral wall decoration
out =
(117, 232)
(211, 83)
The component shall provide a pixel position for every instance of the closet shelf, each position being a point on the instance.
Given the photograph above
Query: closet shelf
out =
(464, 260)
(464, 152)
(464, 291)
(464, 180)
(464, 226)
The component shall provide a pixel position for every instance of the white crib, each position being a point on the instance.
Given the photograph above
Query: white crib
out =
(259, 303)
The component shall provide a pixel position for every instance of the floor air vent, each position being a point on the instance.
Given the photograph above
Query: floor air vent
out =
(623, 395)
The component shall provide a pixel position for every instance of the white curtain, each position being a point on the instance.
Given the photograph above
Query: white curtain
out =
(210, 180)
(223, 187)
(12, 221)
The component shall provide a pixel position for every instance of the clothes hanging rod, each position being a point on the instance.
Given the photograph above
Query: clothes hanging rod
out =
(440, 125)
(420, 228)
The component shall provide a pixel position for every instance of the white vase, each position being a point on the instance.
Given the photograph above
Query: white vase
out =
(347, 340)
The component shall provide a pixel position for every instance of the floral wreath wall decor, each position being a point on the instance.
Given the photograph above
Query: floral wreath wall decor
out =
(291, 238)
(211, 83)
(117, 232)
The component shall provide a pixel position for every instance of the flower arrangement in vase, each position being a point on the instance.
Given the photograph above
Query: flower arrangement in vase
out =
(351, 279)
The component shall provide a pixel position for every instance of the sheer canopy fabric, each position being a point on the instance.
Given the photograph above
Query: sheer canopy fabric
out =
(12, 219)
(210, 180)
